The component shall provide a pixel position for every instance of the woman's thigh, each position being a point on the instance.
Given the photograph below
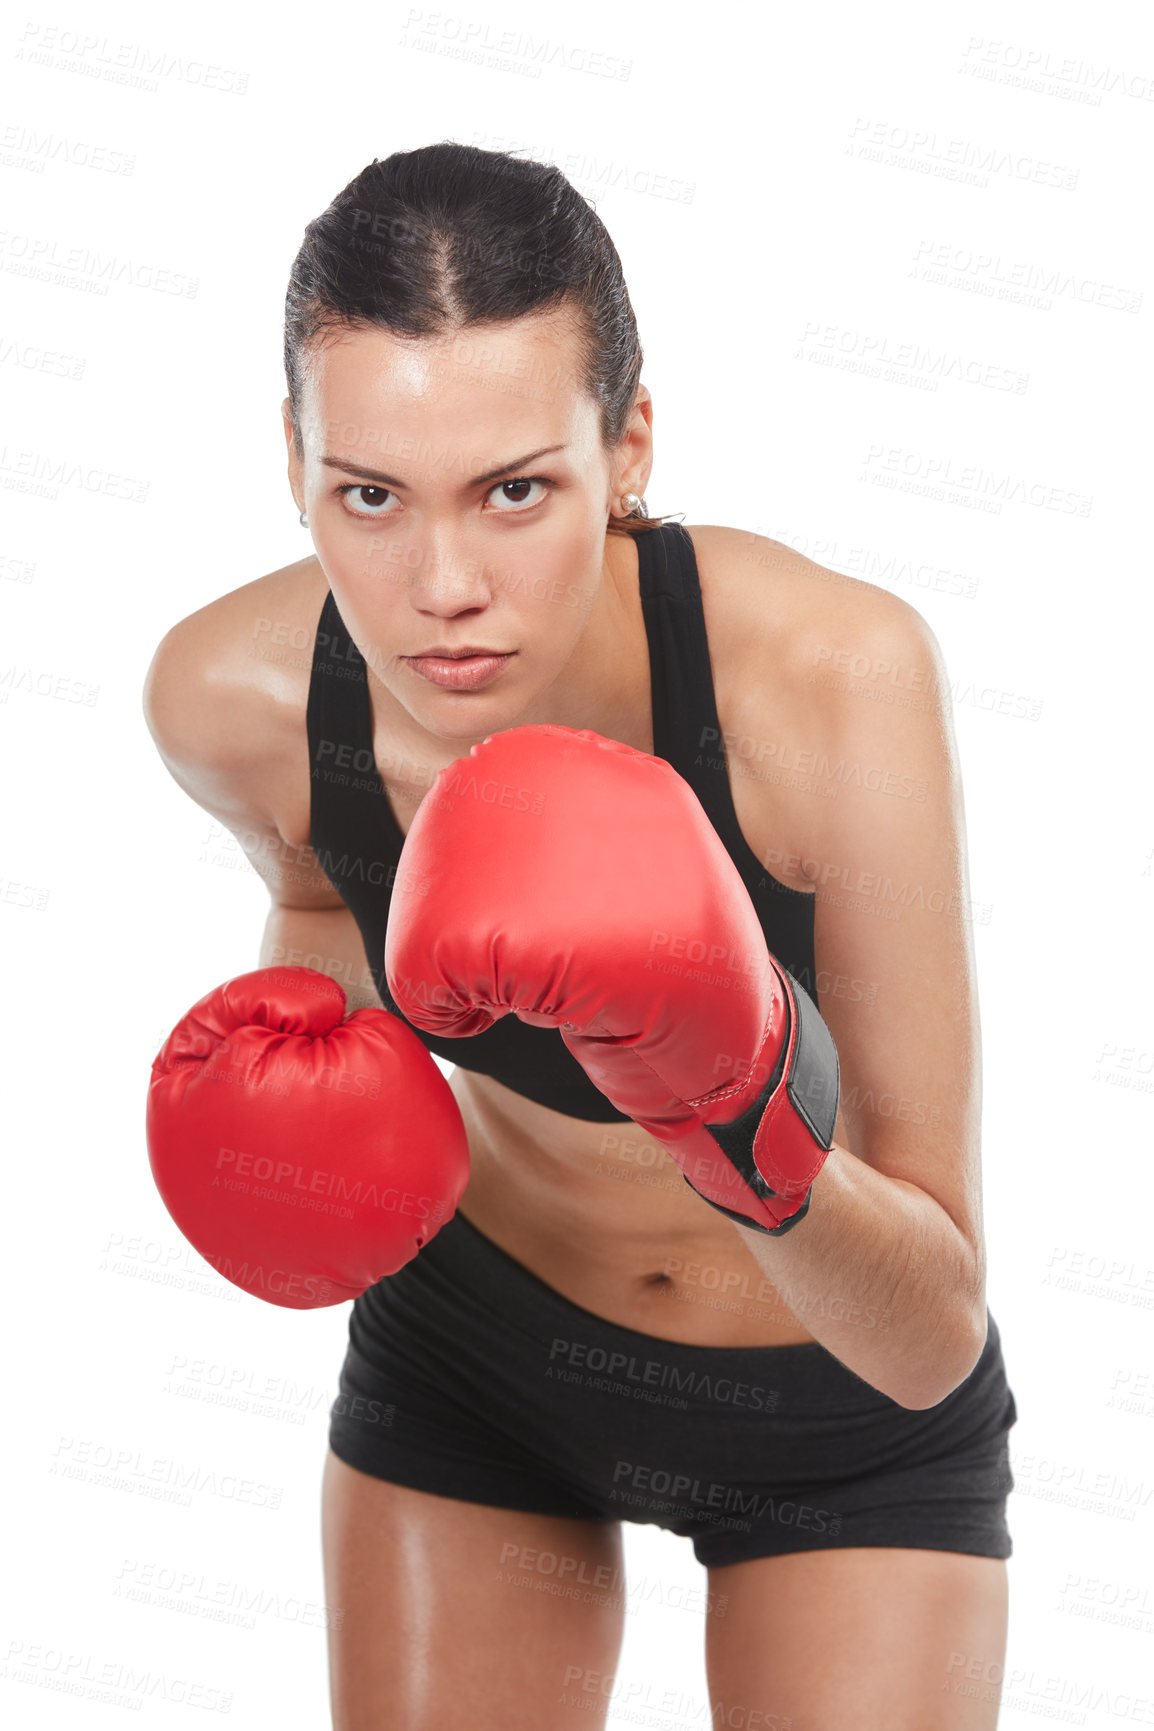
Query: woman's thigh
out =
(436, 1620)
(859, 1639)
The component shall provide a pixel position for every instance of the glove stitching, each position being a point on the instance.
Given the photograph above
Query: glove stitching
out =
(719, 1096)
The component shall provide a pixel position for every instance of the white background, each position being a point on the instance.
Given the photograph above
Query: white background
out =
(794, 193)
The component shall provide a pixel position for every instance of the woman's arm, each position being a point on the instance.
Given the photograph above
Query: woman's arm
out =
(226, 740)
(890, 1261)
(881, 1276)
(327, 939)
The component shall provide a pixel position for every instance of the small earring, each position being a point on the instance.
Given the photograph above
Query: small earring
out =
(304, 521)
(632, 506)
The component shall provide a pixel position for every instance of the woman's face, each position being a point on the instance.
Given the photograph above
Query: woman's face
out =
(457, 492)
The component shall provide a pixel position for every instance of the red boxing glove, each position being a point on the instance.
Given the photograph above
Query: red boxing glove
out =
(303, 1153)
(579, 884)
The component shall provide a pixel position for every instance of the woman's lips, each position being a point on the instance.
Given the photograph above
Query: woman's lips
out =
(467, 673)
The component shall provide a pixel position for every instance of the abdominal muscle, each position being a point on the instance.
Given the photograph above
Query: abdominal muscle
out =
(601, 1213)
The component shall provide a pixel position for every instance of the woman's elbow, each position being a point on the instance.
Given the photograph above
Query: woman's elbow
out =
(949, 1370)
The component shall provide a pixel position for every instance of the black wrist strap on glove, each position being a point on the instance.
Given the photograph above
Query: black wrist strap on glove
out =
(804, 1089)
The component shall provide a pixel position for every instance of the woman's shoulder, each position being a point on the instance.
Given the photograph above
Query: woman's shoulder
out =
(227, 685)
(825, 685)
(776, 617)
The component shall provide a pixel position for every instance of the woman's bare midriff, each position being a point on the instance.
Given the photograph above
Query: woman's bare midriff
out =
(601, 1213)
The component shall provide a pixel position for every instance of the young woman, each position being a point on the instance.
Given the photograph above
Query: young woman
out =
(823, 1411)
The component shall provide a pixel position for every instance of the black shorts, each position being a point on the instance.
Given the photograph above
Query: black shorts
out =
(468, 1376)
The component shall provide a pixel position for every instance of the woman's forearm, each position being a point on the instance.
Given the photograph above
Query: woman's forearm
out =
(902, 1302)
(327, 939)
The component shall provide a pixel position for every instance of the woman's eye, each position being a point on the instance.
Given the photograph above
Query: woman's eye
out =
(363, 500)
(515, 488)
(363, 488)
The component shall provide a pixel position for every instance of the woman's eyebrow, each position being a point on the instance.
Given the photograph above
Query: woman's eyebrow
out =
(477, 481)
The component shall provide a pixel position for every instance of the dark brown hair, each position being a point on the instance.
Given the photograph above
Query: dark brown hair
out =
(430, 242)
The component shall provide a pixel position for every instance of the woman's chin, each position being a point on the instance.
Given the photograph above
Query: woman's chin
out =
(459, 718)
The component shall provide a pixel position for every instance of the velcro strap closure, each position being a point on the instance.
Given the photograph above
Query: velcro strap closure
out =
(780, 1142)
(748, 1219)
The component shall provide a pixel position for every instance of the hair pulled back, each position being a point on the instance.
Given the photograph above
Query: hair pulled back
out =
(430, 242)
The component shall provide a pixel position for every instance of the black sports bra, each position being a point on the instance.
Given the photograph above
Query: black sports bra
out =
(358, 841)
